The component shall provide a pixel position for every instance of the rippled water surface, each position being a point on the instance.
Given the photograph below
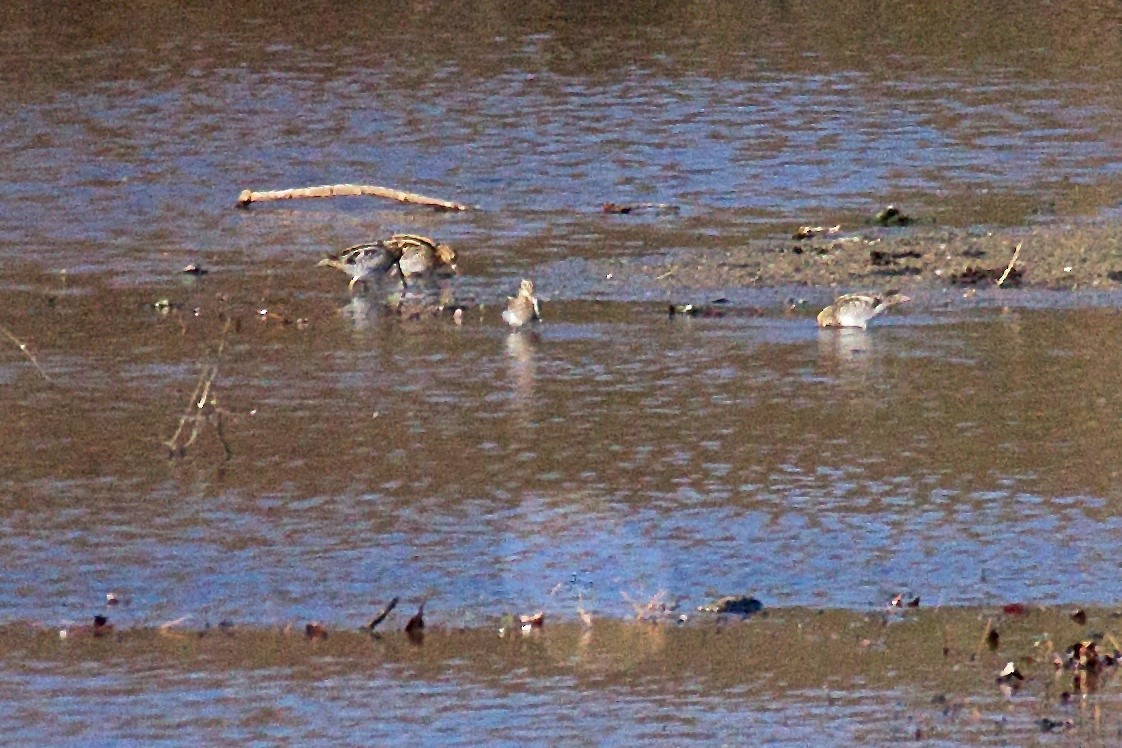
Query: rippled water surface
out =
(964, 453)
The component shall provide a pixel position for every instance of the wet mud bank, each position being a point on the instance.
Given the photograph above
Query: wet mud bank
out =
(1068, 257)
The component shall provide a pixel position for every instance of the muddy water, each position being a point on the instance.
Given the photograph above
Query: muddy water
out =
(959, 452)
(795, 677)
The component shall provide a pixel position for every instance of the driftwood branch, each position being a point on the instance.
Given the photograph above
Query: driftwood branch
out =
(1009, 267)
(346, 190)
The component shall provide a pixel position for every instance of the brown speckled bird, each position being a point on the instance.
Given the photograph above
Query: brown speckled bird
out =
(523, 308)
(856, 309)
(414, 257)
(363, 261)
(420, 256)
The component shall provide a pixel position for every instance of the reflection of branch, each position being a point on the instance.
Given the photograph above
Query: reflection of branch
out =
(26, 351)
(202, 409)
(1009, 267)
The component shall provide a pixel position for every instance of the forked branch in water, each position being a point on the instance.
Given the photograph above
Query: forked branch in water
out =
(347, 190)
(26, 352)
(202, 409)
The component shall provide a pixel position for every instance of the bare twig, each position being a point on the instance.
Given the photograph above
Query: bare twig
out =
(348, 190)
(984, 639)
(382, 616)
(1009, 267)
(172, 624)
(26, 352)
(202, 408)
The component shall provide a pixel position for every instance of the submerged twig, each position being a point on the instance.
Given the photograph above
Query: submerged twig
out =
(172, 624)
(382, 616)
(26, 352)
(1009, 267)
(346, 190)
(202, 408)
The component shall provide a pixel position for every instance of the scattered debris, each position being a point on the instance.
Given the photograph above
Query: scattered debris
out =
(695, 310)
(535, 621)
(527, 624)
(267, 315)
(811, 231)
(100, 627)
(898, 602)
(796, 304)
(1085, 656)
(167, 306)
(194, 269)
(625, 209)
(890, 215)
(1013, 609)
(315, 630)
(974, 275)
(883, 258)
(1079, 616)
(737, 605)
(1048, 725)
(225, 626)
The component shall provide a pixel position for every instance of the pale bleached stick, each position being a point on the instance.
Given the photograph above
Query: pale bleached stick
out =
(26, 352)
(1009, 267)
(346, 190)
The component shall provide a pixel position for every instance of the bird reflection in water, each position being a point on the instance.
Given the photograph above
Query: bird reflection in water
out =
(847, 357)
(358, 312)
(521, 352)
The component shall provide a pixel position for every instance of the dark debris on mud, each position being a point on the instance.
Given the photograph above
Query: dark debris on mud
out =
(914, 256)
(1045, 677)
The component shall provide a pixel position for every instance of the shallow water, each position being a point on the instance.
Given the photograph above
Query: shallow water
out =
(960, 451)
(959, 454)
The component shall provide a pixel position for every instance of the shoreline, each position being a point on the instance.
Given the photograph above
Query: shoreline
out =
(1060, 257)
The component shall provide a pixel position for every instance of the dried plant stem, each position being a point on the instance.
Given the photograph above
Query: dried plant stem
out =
(382, 616)
(1009, 267)
(347, 190)
(982, 641)
(201, 409)
(26, 352)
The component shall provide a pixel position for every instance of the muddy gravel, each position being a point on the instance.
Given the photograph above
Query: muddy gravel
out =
(1063, 257)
